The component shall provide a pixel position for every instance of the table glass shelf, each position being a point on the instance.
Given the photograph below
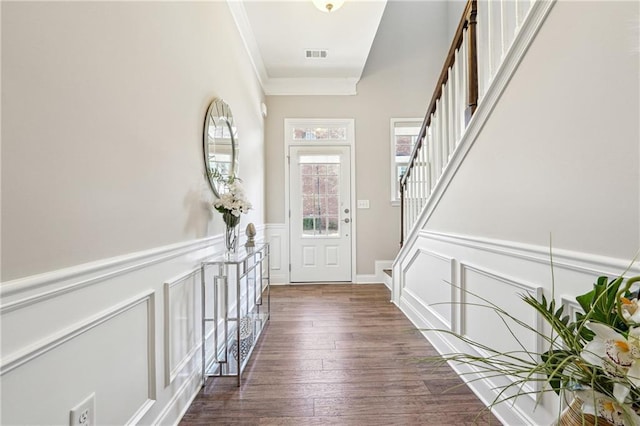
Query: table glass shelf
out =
(236, 306)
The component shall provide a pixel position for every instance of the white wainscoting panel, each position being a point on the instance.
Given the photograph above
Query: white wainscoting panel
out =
(480, 290)
(181, 296)
(429, 278)
(111, 355)
(275, 242)
(571, 307)
(277, 235)
(127, 329)
(480, 286)
(500, 272)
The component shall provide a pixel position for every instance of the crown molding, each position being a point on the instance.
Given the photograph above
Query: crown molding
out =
(284, 86)
(310, 86)
(249, 39)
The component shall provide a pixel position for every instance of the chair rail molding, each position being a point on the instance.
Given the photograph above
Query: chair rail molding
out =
(22, 292)
(565, 259)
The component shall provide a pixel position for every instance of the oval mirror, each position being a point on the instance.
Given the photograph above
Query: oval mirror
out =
(220, 145)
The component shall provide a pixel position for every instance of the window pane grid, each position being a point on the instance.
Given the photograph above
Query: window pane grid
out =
(404, 137)
(320, 198)
(319, 133)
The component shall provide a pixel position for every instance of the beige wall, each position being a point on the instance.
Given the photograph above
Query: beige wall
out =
(398, 81)
(559, 153)
(454, 14)
(103, 106)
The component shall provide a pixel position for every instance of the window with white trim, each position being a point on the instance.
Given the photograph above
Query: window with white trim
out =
(404, 134)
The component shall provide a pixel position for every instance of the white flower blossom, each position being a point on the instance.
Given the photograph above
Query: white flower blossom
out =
(617, 413)
(233, 202)
(630, 309)
(616, 355)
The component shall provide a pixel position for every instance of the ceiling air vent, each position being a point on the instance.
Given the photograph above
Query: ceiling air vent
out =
(315, 53)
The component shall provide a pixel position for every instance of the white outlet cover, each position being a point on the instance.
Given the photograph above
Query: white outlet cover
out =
(84, 414)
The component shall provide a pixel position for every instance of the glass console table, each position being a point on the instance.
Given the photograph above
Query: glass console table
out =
(234, 289)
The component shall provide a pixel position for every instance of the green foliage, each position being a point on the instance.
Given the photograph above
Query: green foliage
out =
(562, 366)
(600, 305)
(308, 223)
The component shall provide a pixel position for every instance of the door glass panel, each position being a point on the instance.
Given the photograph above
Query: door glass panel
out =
(332, 205)
(306, 169)
(319, 178)
(332, 184)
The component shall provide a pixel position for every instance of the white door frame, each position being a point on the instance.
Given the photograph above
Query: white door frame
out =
(351, 143)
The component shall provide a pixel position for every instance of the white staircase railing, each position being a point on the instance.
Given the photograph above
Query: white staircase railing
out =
(484, 35)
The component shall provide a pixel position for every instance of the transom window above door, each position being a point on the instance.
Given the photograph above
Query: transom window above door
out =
(320, 133)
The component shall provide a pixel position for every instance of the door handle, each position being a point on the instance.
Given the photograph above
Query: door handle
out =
(347, 220)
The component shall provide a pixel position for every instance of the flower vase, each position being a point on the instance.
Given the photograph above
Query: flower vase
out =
(231, 233)
(573, 416)
(231, 239)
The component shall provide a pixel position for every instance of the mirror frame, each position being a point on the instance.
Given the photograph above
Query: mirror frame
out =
(219, 114)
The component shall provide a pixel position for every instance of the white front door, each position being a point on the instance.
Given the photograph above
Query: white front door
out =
(321, 219)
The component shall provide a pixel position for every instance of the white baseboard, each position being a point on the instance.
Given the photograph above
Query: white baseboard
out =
(378, 277)
(507, 414)
(181, 401)
(366, 279)
(279, 278)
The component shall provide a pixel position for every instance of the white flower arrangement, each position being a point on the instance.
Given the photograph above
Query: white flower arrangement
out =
(233, 202)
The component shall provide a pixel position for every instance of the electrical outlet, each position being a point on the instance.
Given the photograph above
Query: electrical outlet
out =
(84, 414)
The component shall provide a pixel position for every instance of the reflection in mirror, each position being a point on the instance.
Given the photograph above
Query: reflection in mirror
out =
(220, 145)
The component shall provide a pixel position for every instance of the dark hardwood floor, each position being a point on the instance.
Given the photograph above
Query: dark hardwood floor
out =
(340, 355)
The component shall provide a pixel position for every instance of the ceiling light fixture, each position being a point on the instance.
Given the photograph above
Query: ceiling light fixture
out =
(328, 5)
